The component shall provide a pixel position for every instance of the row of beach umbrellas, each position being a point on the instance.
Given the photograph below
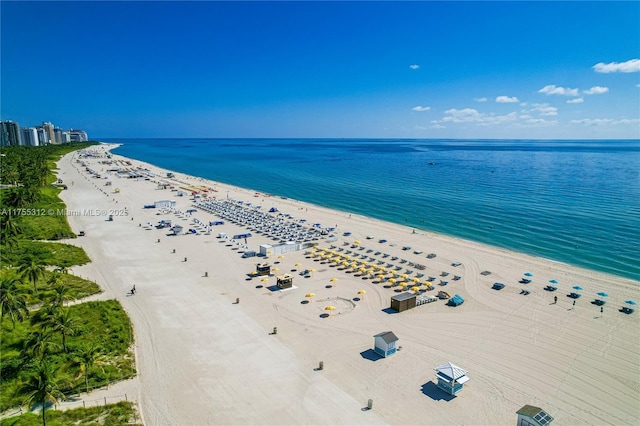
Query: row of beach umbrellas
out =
(578, 288)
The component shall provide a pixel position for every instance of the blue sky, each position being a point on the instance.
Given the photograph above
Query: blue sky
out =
(331, 69)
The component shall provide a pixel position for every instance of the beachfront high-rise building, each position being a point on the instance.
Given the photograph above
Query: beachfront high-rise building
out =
(10, 134)
(78, 136)
(48, 128)
(29, 136)
(43, 136)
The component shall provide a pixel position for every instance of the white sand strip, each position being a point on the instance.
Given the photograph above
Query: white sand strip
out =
(204, 360)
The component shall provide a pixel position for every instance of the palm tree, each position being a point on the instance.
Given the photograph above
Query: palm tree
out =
(65, 324)
(10, 226)
(61, 293)
(85, 359)
(42, 386)
(39, 344)
(32, 271)
(12, 302)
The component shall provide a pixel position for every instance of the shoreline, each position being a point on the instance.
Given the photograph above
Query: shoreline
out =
(508, 341)
(596, 259)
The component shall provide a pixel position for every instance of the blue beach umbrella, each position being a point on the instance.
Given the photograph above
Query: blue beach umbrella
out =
(528, 274)
(576, 287)
(553, 281)
(630, 302)
(602, 294)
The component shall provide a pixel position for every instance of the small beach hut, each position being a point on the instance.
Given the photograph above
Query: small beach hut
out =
(263, 268)
(384, 344)
(403, 301)
(533, 416)
(284, 281)
(451, 378)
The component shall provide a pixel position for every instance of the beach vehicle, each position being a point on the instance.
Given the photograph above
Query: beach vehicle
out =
(382, 241)
(249, 253)
(406, 248)
(110, 218)
(81, 234)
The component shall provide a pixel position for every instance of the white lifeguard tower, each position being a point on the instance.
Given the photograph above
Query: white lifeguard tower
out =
(451, 378)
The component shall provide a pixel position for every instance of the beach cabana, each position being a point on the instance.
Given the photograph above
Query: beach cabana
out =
(284, 281)
(384, 344)
(451, 378)
(263, 268)
(533, 416)
(456, 300)
(403, 301)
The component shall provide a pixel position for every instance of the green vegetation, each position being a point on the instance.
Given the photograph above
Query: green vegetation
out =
(85, 346)
(49, 350)
(108, 415)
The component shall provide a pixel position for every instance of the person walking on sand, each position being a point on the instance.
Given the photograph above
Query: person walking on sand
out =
(555, 300)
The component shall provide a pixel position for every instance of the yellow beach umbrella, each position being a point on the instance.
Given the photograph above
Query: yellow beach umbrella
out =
(309, 295)
(329, 308)
(254, 273)
(415, 280)
(362, 292)
(416, 289)
(298, 264)
(311, 271)
(404, 276)
(265, 279)
(380, 277)
(392, 280)
(356, 242)
(333, 280)
(281, 256)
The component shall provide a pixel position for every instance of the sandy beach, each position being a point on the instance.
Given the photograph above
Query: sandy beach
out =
(202, 359)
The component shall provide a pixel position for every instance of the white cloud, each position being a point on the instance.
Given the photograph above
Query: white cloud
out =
(539, 122)
(414, 66)
(575, 101)
(420, 108)
(419, 127)
(545, 110)
(632, 65)
(552, 89)
(480, 99)
(438, 126)
(462, 115)
(606, 121)
(596, 90)
(506, 99)
(470, 115)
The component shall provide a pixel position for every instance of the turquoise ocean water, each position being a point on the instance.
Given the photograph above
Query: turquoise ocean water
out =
(572, 201)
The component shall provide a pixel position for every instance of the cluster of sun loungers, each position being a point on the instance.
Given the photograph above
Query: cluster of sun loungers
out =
(276, 226)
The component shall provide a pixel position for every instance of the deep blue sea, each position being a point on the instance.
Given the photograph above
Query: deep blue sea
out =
(572, 201)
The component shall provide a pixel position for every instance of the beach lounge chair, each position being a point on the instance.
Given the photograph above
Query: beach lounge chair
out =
(485, 273)
(431, 255)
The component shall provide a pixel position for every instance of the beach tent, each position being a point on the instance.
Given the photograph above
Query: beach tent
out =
(451, 378)
(384, 344)
(533, 416)
(455, 300)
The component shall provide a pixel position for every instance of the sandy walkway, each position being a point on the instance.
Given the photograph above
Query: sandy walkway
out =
(204, 360)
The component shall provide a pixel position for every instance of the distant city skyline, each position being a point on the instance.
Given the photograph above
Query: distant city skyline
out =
(471, 70)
